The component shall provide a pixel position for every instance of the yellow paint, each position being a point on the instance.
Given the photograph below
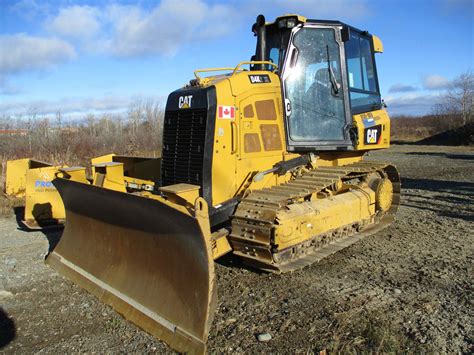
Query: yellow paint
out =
(109, 176)
(181, 192)
(15, 177)
(237, 69)
(233, 167)
(378, 45)
(379, 117)
(42, 202)
(76, 173)
(302, 221)
(103, 159)
(384, 194)
(220, 243)
(108, 158)
(299, 18)
(32, 180)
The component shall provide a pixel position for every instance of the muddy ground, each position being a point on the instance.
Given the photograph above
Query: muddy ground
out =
(407, 287)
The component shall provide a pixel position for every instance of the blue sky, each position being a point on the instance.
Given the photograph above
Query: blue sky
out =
(97, 56)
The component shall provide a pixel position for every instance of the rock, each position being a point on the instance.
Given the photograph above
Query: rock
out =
(264, 337)
(397, 291)
(5, 294)
(10, 263)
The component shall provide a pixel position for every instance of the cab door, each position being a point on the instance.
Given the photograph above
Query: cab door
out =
(314, 87)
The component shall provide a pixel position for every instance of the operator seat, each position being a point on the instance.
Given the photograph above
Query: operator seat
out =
(326, 107)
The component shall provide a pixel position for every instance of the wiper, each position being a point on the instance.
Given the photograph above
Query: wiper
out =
(335, 85)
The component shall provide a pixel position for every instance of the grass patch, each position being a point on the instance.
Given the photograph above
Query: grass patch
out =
(8, 204)
(113, 324)
(371, 331)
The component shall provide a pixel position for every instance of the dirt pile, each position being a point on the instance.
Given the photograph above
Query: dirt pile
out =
(460, 136)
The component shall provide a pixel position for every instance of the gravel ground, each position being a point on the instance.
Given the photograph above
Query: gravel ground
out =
(407, 287)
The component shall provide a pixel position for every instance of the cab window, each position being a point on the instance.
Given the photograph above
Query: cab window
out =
(361, 73)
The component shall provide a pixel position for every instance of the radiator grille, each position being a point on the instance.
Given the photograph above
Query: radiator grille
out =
(184, 135)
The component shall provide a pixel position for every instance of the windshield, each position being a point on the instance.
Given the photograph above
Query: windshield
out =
(313, 88)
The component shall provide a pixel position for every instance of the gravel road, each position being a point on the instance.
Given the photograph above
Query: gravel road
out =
(408, 287)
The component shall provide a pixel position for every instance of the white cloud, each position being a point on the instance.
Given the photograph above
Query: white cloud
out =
(21, 52)
(402, 88)
(71, 105)
(75, 22)
(411, 104)
(435, 82)
(331, 9)
(134, 30)
(166, 27)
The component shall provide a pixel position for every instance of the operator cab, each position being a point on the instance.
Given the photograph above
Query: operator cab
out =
(328, 75)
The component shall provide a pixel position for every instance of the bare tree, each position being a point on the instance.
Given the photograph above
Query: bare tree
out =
(458, 99)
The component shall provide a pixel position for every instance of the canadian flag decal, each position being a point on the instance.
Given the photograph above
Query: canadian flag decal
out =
(226, 111)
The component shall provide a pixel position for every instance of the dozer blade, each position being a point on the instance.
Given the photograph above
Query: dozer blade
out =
(151, 262)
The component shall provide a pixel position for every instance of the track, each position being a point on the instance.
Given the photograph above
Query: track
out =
(255, 219)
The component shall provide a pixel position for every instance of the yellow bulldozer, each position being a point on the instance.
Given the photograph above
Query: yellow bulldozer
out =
(265, 163)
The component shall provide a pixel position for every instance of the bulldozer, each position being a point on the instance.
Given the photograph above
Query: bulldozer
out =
(263, 160)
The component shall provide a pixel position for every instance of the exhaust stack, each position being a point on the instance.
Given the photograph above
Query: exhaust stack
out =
(259, 30)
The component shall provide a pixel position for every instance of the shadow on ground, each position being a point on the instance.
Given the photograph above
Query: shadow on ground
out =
(444, 155)
(7, 328)
(453, 199)
(454, 187)
(233, 261)
(52, 232)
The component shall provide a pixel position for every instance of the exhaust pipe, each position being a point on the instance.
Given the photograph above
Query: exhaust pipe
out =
(259, 30)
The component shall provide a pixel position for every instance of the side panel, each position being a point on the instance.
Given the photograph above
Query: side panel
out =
(43, 202)
(102, 159)
(15, 179)
(253, 139)
(262, 134)
(373, 130)
(225, 148)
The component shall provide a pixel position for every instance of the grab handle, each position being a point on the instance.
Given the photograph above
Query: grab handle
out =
(233, 127)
